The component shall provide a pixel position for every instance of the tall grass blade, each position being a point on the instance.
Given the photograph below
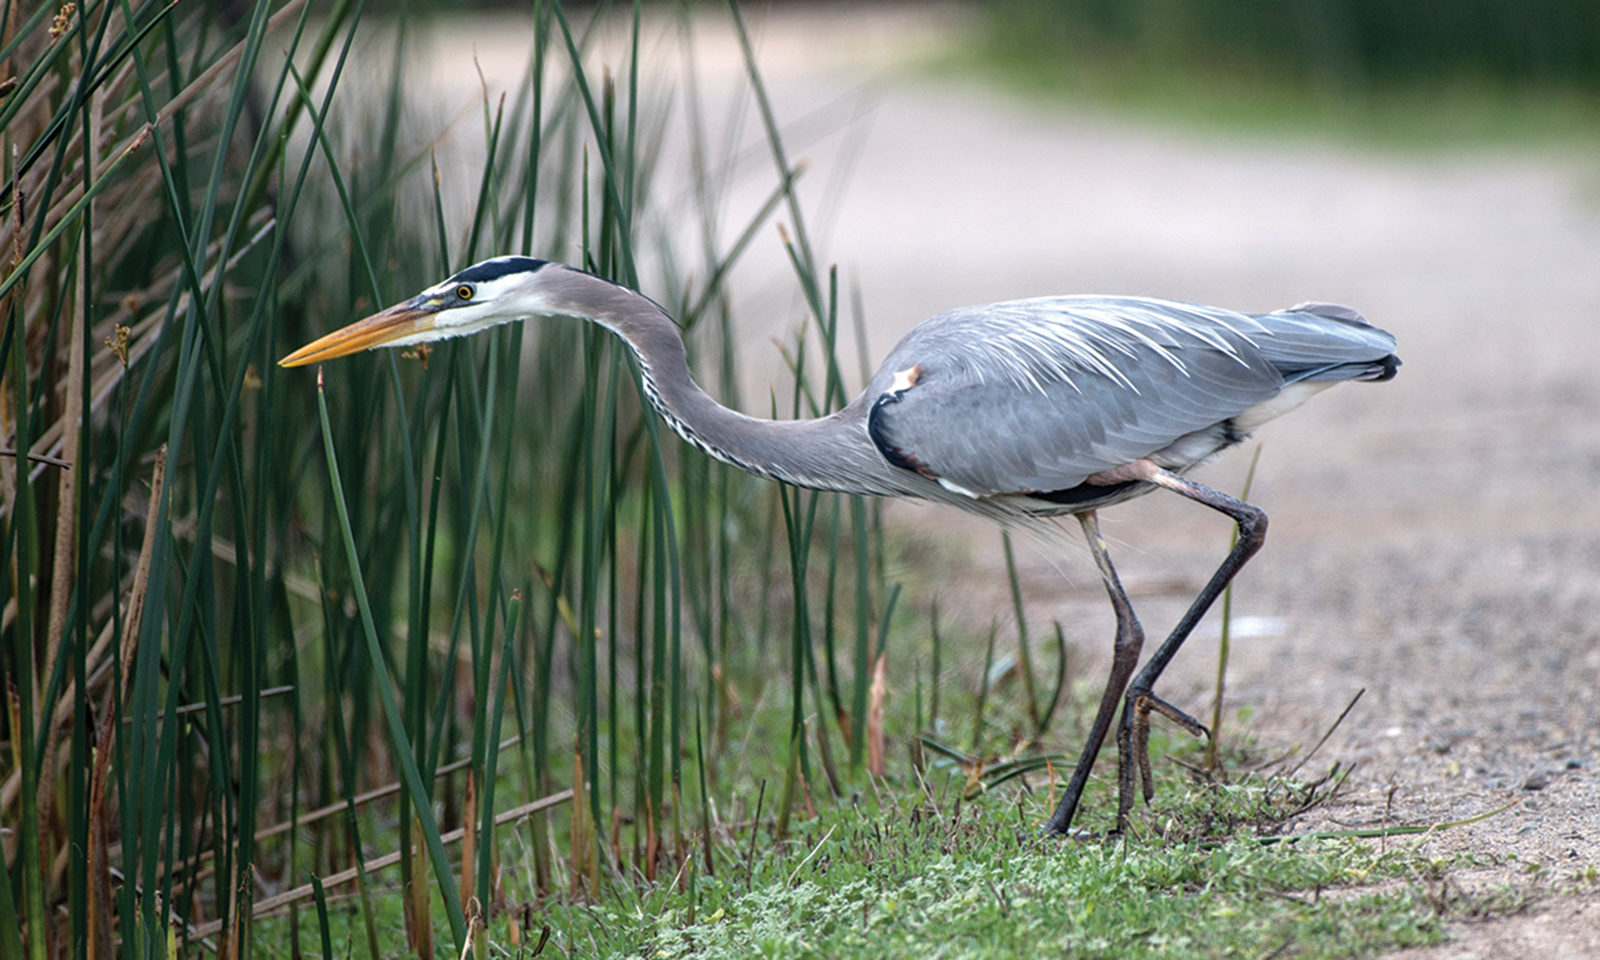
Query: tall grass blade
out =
(10, 923)
(863, 634)
(1213, 743)
(399, 743)
(1024, 645)
(983, 689)
(323, 928)
(486, 854)
(1060, 688)
(935, 671)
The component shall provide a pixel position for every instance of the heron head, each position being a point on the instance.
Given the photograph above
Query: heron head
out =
(483, 295)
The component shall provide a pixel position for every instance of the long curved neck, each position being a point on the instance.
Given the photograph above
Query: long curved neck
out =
(830, 453)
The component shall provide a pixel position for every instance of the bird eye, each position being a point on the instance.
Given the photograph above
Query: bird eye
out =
(464, 292)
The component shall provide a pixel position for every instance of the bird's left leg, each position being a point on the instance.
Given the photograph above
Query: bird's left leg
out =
(1134, 736)
(1124, 658)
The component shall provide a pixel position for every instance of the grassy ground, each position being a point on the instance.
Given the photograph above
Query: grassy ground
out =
(911, 870)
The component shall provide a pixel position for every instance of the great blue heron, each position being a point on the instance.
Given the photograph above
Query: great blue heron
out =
(1018, 410)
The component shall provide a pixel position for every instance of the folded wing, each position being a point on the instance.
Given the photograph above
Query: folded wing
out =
(1035, 396)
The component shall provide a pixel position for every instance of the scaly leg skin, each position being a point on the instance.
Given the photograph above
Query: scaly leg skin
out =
(1134, 734)
(1124, 658)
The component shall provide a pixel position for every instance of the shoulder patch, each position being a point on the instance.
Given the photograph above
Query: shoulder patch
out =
(906, 379)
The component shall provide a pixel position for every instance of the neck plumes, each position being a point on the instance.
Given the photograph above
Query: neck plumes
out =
(830, 453)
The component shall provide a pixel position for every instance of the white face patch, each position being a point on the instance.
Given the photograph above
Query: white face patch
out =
(466, 306)
(465, 318)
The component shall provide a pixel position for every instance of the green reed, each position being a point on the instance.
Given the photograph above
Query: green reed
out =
(273, 631)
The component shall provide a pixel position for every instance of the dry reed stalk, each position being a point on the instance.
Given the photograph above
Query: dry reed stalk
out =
(469, 839)
(66, 516)
(268, 904)
(874, 734)
(99, 862)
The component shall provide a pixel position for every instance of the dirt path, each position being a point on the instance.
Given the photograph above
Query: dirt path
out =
(1435, 540)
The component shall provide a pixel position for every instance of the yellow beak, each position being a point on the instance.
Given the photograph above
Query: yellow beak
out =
(380, 329)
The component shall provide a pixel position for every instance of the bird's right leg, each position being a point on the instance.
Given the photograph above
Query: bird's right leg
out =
(1124, 658)
(1134, 735)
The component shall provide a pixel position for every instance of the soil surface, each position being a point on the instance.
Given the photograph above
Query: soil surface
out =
(1435, 540)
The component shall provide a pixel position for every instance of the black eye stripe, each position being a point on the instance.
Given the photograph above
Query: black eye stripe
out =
(497, 268)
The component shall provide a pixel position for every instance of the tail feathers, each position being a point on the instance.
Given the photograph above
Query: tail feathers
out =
(1326, 343)
(1374, 371)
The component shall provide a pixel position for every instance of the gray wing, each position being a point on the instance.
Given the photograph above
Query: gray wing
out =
(1035, 396)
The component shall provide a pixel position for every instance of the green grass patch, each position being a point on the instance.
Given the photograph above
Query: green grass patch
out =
(1263, 98)
(910, 873)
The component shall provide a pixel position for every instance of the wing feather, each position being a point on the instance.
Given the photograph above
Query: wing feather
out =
(1038, 395)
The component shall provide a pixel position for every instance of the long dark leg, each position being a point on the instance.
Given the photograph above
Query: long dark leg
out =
(1124, 657)
(1134, 736)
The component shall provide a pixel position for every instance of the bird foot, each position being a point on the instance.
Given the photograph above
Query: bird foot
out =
(1134, 746)
(1080, 834)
